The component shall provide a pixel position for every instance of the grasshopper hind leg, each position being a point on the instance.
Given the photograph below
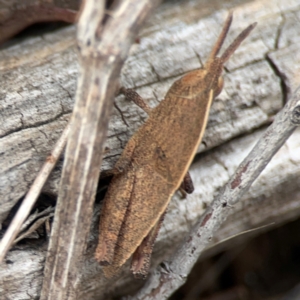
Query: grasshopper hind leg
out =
(140, 262)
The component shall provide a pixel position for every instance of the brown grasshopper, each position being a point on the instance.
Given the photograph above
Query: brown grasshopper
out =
(155, 162)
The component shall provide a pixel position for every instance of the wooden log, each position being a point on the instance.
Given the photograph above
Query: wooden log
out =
(38, 78)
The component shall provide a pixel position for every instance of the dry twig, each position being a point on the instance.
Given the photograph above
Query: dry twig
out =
(103, 45)
(32, 195)
(170, 275)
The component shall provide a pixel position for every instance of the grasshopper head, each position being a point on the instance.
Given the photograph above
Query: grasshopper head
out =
(210, 77)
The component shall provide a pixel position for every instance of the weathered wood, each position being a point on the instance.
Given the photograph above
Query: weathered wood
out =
(22, 216)
(38, 84)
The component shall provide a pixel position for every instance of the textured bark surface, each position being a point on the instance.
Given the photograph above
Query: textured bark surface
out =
(38, 78)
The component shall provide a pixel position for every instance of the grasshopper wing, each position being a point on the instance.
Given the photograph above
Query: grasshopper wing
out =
(149, 199)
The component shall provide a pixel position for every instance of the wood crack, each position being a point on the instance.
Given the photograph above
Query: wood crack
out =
(285, 89)
(36, 125)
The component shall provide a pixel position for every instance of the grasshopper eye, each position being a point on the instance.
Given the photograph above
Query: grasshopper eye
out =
(219, 86)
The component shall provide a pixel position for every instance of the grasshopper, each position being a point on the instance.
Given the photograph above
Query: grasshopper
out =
(155, 162)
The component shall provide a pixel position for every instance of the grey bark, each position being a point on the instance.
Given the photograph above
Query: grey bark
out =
(38, 78)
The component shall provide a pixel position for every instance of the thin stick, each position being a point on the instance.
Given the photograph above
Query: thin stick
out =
(170, 275)
(32, 195)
